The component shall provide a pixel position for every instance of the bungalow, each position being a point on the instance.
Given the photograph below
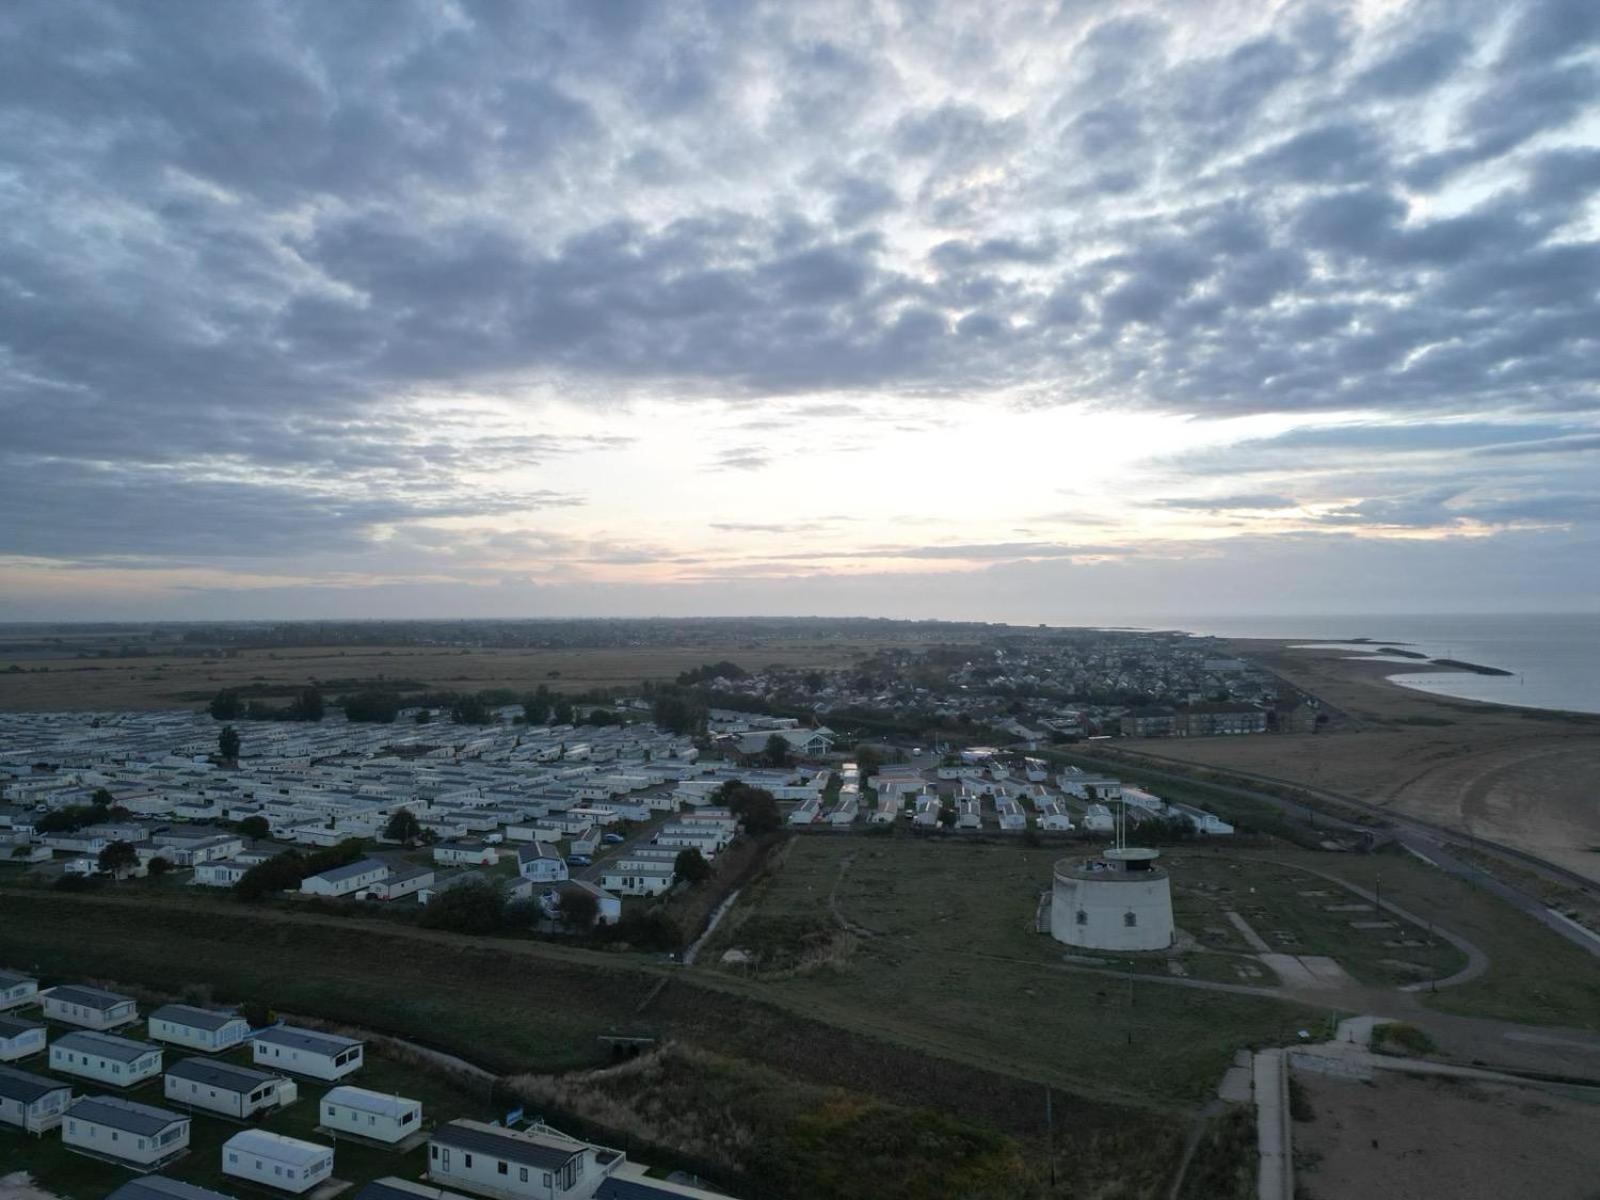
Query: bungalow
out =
(465, 854)
(541, 863)
(17, 989)
(31, 1102)
(804, 743)
(641, 879)
(121, 1062)
(197, 1028)
(355, 1110)
(20, 1039)
(405, 879)
(507, 1164)
(221, 873)
(92, 1008)
(220, 1087)
(275, 1160)
(139, 1134)
(159, 1187)
(307, 1052)
(348, 880)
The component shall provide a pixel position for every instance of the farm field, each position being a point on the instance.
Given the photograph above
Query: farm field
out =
(150, 683)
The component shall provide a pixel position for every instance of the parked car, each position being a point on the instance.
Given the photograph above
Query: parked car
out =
(578, 860)
(612, 839)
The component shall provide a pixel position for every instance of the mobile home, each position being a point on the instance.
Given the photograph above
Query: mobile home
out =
(159, 1187)
(31, 1102)
(197, 1028)
(218, 1087)
(119, 1061)
(20, 1039)
(17, 990)
(92, 1008)
(306, 1052)
(138, 1134)
(355, 1110)
(534, 1164)
(276, 1161)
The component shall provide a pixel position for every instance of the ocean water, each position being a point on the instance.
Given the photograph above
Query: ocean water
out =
(1554, 657)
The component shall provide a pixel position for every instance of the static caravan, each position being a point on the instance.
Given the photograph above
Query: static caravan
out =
(221, 873)
(639, 879)
(969, 814)
(394, 1188)
(540, 862)
(533, 1164)
(159, 1187)
(1011, 815)
(306, 1052)
(275, 1160)
(406, 879)
(139, 1134)
(92, 1008)
(237, 1092)
(357, 1111)
(31, 1102)
(198, 1028)
(1053, 815)
(119, 1061)
(347, 880)
(20, 1039)
(17, 990)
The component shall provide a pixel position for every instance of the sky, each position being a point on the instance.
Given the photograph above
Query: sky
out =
(945, 309)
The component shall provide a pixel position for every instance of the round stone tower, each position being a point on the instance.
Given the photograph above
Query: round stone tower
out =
(1119, 900)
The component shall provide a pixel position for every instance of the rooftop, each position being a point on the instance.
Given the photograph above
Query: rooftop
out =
(194, 1018)
(145, 1120)
(105, 1045)
(305, 1039)
(543, 1150)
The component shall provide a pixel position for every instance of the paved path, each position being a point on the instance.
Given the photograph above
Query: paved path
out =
(1274, 1139)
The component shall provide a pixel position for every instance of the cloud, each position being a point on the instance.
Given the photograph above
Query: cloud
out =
(1215, 504)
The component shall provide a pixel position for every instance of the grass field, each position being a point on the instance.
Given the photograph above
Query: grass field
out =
(941, 952)
(145, 683)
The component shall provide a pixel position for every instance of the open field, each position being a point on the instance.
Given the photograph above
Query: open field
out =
(1522, 777)
(145, 683)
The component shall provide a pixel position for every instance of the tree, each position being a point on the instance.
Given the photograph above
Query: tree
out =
(255, 828)
(579, 909)
(375, 705)
(277, 874)
(118, 858)
(475, 905)
(157, 867)
(226, 705)
(101, 798)
(536, 706)
(677, 711)
(777, 751)
(228, 744)
(756, 808)
(307, 705)
(561, 711)
(403, 827)
(469, 710)
(691, 866)
(424, 715)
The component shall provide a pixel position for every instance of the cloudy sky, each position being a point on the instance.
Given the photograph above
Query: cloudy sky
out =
(935, 309)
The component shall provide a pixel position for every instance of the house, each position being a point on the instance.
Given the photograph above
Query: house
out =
(1153, 721)
(17, 990)
(306, 1052)
(31, 1102)
(20, 1039)
(540, 862)
(640, 879)
(507, 1164)
(91, 1008)
(802, 743)
(220, 1087)
(159, 1187)
(141, 1135)
(354, 1110)
(392, 1187)
(276, 1161)
(220, 873)
(465, 854)
(348, 880)
(197, 1028)
(404, 879)
(119, 1061)
(1219, 719)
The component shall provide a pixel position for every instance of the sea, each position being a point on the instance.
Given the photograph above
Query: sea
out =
(1554, 658)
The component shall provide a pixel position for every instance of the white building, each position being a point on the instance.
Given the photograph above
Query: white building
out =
(306, 1052)
(354, 1110)
(159, 1187)
(392, 1187)
(17, 990)
(111, 1127)
(1053, 816)
(1011, 815)
(405, 879)
(31, 1102)
(276, 1161)
(639, 879)
(197, 1028)
(541, 862)
(221, 1087)
(89, 1007)
(465, 854)
(506, 1164)
(20, 1039)
(1119, 901)
(104, 1058)
(220, 873)
(348, 880)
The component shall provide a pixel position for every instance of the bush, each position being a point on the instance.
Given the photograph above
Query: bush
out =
(474, 905)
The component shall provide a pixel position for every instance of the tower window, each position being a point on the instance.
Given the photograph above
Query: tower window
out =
(1130, 919)
(1083, 917)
